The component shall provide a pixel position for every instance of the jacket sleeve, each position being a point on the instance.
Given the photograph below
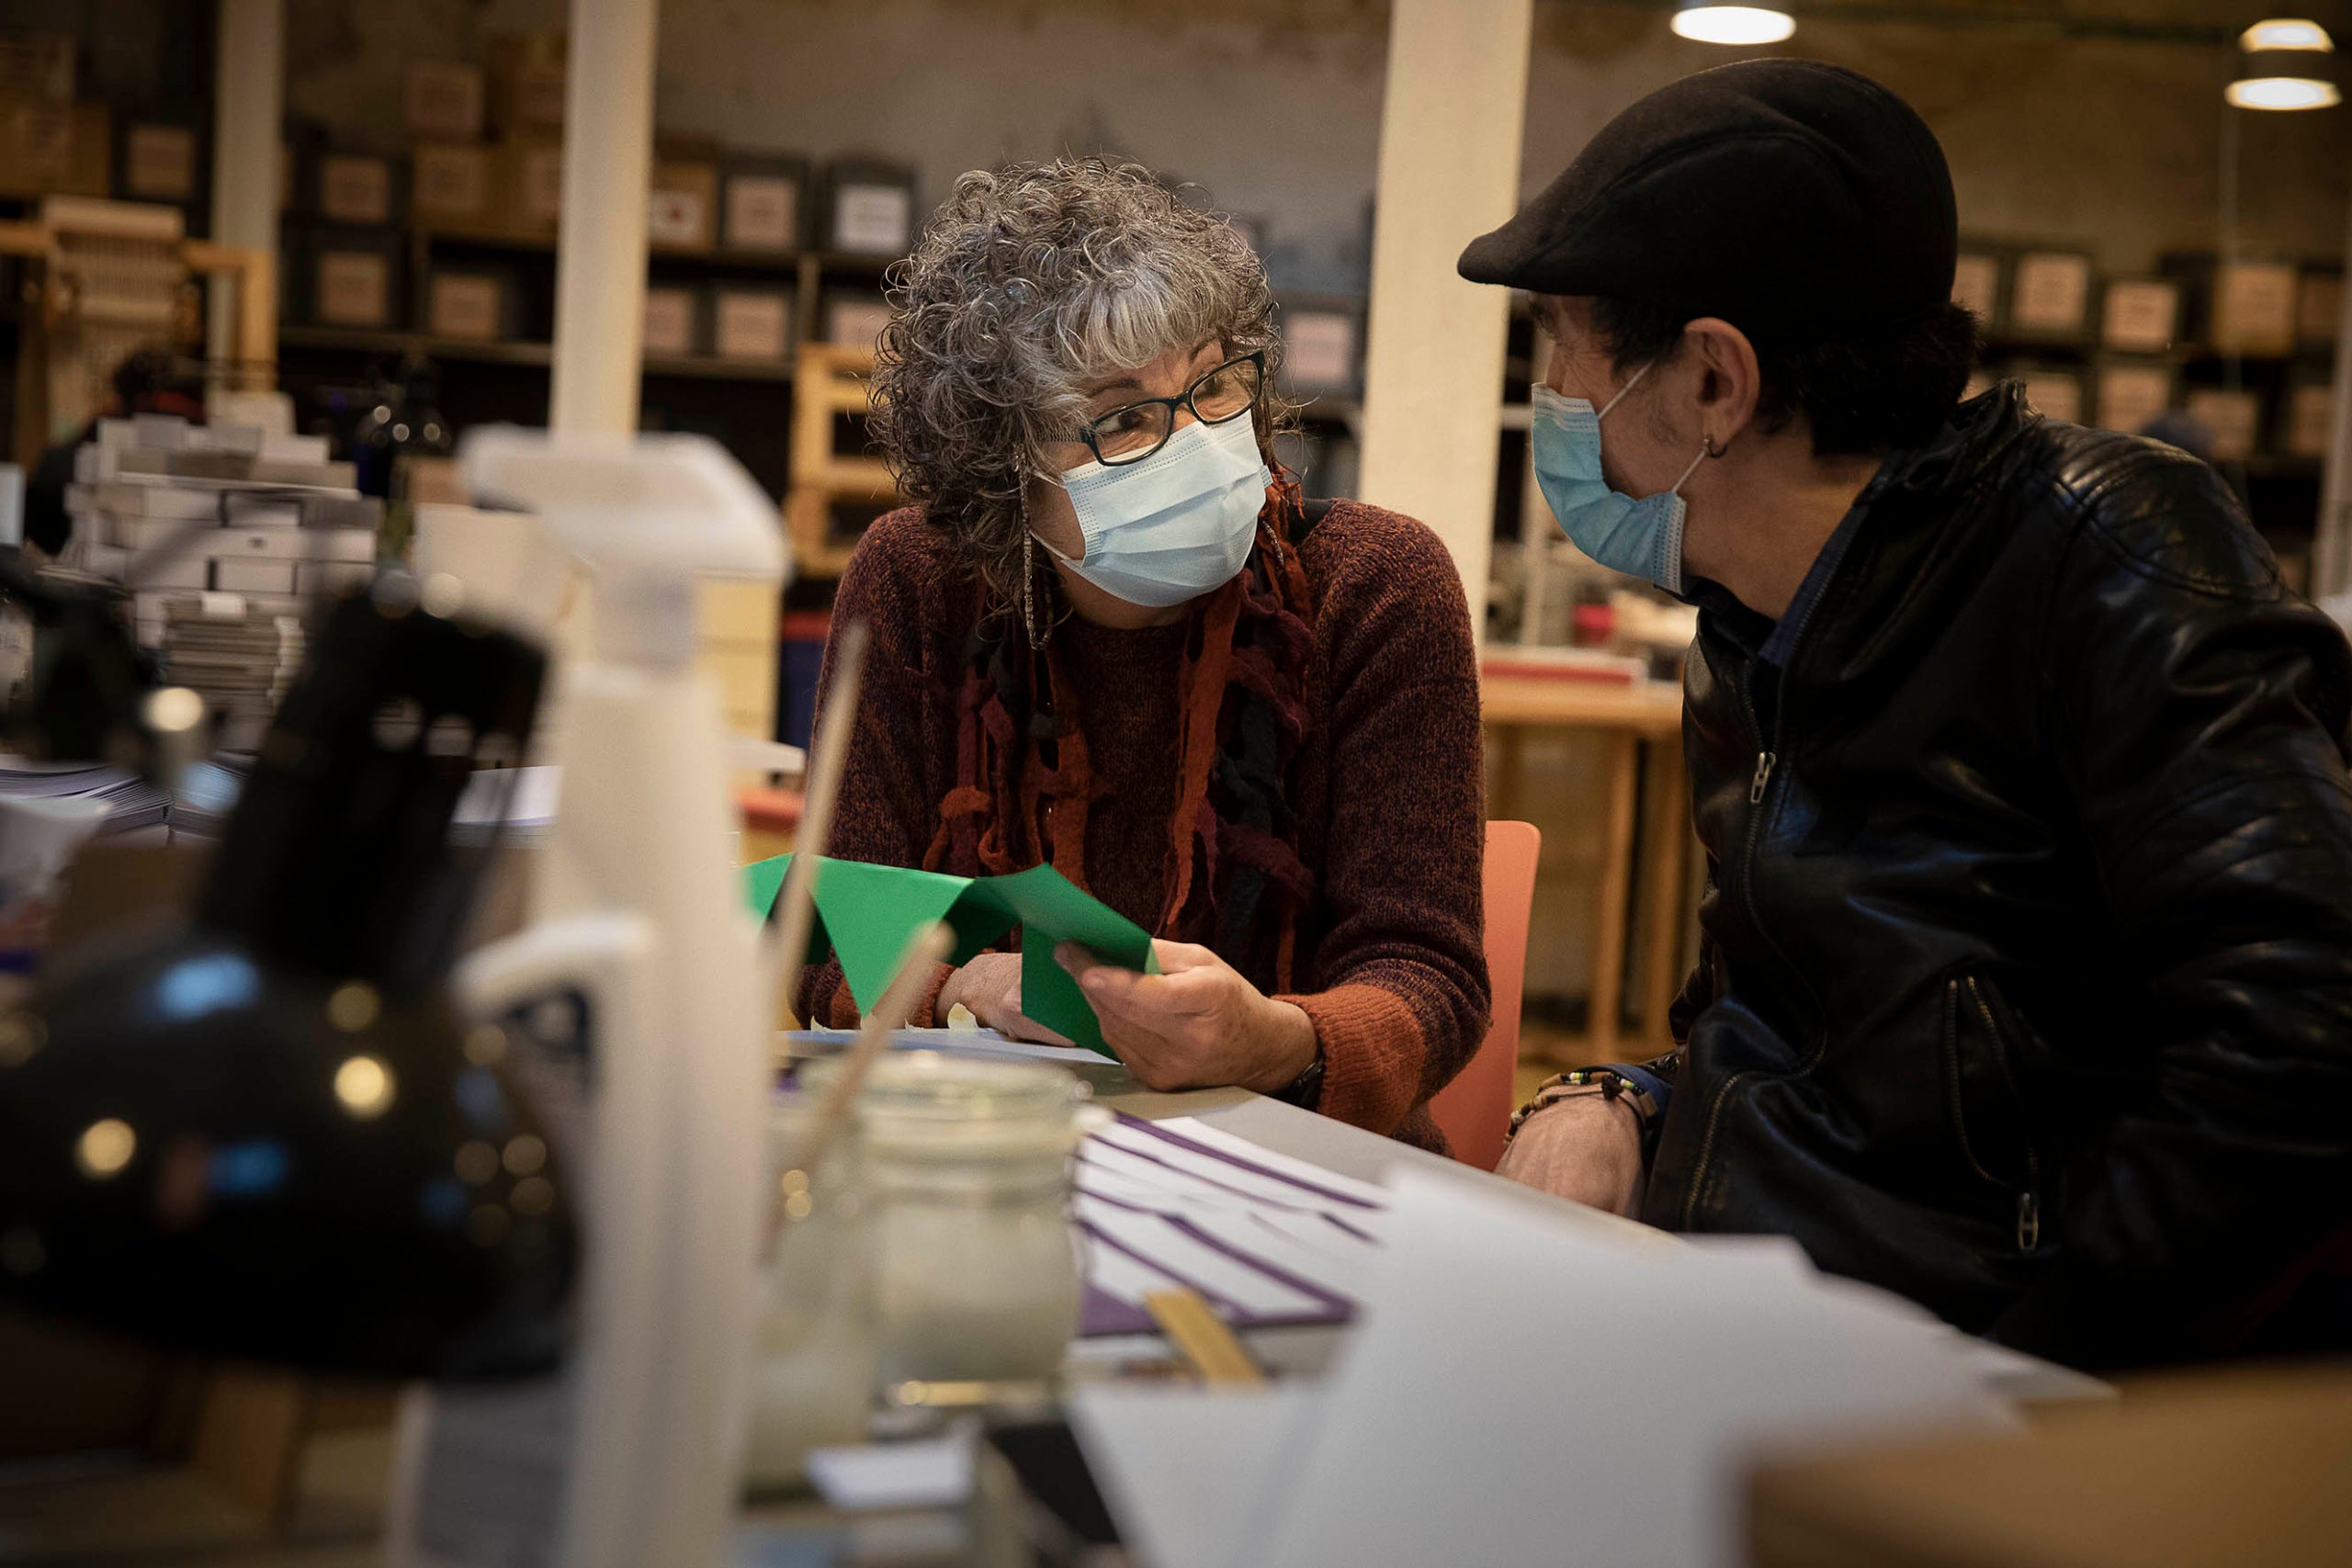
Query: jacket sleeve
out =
(1398, 990)
(889, 806)
(2197, 710)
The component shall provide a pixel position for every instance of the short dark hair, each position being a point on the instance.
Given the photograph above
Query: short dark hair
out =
(1859, 393)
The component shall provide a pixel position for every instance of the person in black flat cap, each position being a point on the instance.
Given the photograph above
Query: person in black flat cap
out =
(2025, 987)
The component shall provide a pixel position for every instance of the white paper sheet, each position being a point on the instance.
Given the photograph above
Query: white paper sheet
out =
(1531, 1389)
(1182, 1469)
(1225, 1173)
(1297, 1169)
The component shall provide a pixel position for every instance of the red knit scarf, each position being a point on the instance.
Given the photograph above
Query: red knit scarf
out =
(1024, 786)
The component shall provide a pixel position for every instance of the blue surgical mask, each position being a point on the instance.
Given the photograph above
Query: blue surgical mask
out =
(1178, 523)
(1639, 535)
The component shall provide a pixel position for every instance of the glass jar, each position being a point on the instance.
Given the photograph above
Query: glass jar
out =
(966, 1170)
(814, 1360)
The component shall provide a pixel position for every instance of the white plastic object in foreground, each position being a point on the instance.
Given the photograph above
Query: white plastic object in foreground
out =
(644, 833)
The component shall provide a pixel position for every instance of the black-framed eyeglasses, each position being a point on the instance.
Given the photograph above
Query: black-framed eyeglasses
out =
(1134, 433)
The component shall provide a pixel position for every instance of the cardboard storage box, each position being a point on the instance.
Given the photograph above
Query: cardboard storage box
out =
(527, 83)
(475, 306)
(672, 323)
(854, 318)
(2319, 307)
(354, 187)
(869, 207)
(2050, 293)
(751, 323)
(530, 178)
(37, 66)
(2130, 397)
(761, 202)
(682, 207)
(2310, 424)
(454, 186)
(1319, 349)
(2139, 315)
(444, 100)
(2252, 309)
(2057, 393)
(353, 279)
(54, 149)
(2235, 419)
(1976, 285)
(159, 163)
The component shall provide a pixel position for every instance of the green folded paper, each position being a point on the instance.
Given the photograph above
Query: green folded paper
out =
(866, 914)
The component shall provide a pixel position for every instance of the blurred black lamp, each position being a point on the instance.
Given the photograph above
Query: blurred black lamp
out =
(270, 1135)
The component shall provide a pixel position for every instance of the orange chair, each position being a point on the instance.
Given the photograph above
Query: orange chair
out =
(1473, 1111)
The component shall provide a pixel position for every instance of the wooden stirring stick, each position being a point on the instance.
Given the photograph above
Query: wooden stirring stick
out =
(1202, 1338)
(930, 947)
(797, 910)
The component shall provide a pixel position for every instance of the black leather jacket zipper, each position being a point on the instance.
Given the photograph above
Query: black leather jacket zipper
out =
(2029, 1198)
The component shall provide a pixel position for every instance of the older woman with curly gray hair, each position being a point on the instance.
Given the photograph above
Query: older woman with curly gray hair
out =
(1111, 634)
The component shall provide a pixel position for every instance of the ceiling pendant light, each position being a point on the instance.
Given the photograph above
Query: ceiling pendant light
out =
(1734, 25)
(2284, 64)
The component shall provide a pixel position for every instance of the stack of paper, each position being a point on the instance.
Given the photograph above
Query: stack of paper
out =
(238, 656)
(1528, 1386)
(1268, 1240)
(136, 802)
(169, 510)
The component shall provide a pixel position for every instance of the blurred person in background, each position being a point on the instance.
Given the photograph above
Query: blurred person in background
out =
(1112, 634)
(2026, 975)
(150, 381)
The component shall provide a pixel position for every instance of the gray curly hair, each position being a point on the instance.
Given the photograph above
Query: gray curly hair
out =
(1026, 282)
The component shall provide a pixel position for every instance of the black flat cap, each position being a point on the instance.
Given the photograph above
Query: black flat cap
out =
(1785, 195)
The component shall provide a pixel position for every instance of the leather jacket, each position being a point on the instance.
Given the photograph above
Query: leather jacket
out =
(2026, 975)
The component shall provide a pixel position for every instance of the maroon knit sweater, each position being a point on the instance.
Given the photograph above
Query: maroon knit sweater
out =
(1389, 784)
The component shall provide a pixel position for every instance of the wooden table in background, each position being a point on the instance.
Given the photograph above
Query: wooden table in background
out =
(1630, 717)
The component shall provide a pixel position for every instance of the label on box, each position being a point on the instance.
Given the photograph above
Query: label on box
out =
(463, 306)
(542, 179)
(2131, 397)
(355, 190)
(452, 182)
(871, 219)
(2060, 397)
(252, 576)
(676, 218)
(1319, 348)
(38, 65)
(2319, 307)
(2232, 417)
(2254, 308)
(763, 212)
(2052, 292)
(855, 323)
(752, 326)
(2140, 314)
(159, 163)
(2310, 420)
(1976, 284)
(354, 288)
(669, 321)
(444, 99)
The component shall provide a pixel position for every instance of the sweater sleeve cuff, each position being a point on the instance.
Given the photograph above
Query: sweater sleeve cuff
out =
(1373, 1048)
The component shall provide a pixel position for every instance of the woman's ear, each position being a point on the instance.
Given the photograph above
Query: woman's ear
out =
(1730, 381)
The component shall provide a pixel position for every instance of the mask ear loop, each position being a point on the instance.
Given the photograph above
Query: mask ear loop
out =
(1633, 382)
(1705, 452)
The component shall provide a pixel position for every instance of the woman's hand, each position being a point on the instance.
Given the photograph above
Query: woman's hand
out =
(1196, 1024)
(990, 986)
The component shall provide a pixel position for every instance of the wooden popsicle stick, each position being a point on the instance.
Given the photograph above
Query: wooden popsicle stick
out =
(1202, 1338)
(928, 949)
(828, 756)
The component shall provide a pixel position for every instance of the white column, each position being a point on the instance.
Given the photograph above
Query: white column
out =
(600, 249)
(2332, 539)
(1450, 137)
(249, 105)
